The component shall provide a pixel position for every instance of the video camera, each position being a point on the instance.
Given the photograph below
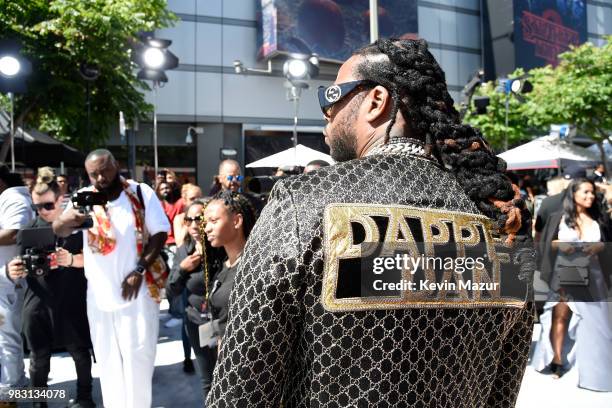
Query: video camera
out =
(84, 202)
(37, 250)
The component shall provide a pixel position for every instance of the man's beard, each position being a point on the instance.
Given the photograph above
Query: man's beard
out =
(113, 186)
(343, 146)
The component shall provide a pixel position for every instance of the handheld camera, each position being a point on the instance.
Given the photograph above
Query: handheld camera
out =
(37, 250)
(84, 202)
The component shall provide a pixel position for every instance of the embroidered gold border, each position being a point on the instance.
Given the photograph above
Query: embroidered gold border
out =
(337, 245)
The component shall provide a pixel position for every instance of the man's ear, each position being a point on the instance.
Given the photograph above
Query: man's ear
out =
(378, 102)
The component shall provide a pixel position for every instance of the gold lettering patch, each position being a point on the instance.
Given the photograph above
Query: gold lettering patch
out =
(395, 257)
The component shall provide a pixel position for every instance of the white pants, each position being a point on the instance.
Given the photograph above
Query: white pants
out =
(11, 347)
(124, 342)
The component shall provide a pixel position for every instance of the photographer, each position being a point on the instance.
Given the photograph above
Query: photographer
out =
(54, 311)
(121, 252)
(15, 212)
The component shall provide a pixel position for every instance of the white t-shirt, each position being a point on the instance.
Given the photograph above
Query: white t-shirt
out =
(15, 212)
(105, 273)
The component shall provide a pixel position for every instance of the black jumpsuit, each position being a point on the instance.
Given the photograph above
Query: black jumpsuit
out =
(55, 316)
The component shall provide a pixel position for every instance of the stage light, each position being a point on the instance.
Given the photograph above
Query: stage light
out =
(9, 66)
(521, 85)
(297, 69)
(153, 58)
(481, 103)
(301, 67)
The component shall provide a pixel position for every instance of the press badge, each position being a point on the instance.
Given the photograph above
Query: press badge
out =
(379, 257)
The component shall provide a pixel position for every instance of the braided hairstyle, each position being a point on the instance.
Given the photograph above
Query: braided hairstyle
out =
(237, 203)
(418, 89)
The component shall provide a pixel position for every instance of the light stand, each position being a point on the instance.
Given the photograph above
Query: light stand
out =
(13, 70)
(298, 69)
(294, 93)
(507, 103)
(12, 100)
(155, 58)
(514, 86)
(155, 160)
(131, 139)
(373, 20)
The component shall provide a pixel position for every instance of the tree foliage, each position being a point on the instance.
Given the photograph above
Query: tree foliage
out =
(60, 35)
(492, 124)
(577, 91)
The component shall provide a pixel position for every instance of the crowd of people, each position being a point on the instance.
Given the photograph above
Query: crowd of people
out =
(256, 290)
(100, 296)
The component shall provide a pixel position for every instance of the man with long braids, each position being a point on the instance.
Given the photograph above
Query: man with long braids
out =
(305, 326)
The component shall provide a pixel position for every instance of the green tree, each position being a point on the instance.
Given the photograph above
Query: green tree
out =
(492, 124)
(58, 36)
(578, 91)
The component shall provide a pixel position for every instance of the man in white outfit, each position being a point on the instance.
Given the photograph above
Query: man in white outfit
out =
(15, 213)
(120, 253)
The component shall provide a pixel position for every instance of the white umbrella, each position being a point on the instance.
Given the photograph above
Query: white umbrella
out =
(545, 152)
(298, 156)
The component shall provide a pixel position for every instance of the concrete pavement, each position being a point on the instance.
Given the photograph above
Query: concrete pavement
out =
(172, 388)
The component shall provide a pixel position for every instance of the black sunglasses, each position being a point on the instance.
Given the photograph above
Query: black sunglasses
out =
(46, 206)
(330, 95)
(198, 219)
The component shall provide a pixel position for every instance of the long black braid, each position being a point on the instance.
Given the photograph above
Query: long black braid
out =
(237, 203)
(418, 89)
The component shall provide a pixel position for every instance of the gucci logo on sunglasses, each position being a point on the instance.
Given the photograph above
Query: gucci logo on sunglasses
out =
(330, 95)
(333, 93)
(44, 206)
(198, 219)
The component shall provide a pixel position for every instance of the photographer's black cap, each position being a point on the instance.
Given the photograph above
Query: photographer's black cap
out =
(574, 171)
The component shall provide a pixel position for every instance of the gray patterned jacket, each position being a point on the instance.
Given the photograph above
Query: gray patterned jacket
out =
(286, 345)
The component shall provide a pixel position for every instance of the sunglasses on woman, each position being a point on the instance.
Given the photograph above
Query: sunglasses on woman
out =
(198, 219)
(329, 96)
(44, 206)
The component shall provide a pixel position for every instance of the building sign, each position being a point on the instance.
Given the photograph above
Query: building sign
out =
(543, 29)
(331, 28)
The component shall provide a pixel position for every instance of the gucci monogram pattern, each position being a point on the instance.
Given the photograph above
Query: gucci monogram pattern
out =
(283, 349)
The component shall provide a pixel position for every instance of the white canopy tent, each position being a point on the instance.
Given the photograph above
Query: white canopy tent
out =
(546, 152)
(298, 156)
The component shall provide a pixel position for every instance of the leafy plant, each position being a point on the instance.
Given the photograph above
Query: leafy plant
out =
(58, 37)
(492, 124)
